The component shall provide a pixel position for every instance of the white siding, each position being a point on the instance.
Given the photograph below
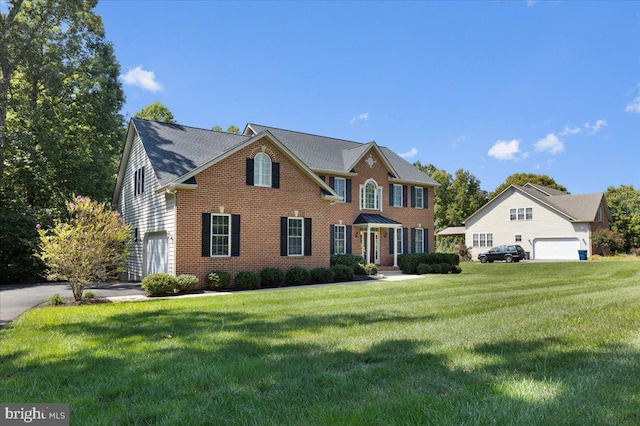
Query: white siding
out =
(147, 212)
(546, 223)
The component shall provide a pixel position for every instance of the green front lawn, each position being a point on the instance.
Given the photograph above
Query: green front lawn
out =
(528, 343)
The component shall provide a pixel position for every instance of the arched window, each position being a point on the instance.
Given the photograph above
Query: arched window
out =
(262, 170)
(370, 195)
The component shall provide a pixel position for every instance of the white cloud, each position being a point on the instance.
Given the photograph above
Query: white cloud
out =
(362, 117)
(550, 143)
(505, 150)
(411, 153)
(634, 106)
(596, 127)
(141, 78)
(457, 141)
(531, 3)
(568, 130)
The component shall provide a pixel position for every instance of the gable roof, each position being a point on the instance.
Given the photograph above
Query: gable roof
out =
(576, 208)
(339, 156)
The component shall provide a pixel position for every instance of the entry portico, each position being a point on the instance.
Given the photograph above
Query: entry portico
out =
(370, 226)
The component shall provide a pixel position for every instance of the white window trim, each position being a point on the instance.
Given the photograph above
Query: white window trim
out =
(377, 196)
(421, 206)
(301, 219)
(344, 188)
(514, 213)
(476, 237)
(343, 239)
(259, 173)
(228, 216)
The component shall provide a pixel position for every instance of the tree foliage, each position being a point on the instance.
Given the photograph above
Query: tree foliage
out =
(60, 127)
(608, 239)
(524, 178)
(624, 206)
(456, 198)
(89, 246)
(230, 129)
(156, 112)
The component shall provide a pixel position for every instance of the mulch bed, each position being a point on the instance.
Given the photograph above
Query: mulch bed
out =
(70, 301)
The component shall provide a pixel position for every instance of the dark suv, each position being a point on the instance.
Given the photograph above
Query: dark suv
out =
(507, 253)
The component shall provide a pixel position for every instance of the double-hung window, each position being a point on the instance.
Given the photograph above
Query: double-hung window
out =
(418, 243)
(419, 203)
(399, 241)
(295, 236)
(220, 235)
(521, 213)
(339, 239)
(339, 185)
(397, 195)
(483, 239)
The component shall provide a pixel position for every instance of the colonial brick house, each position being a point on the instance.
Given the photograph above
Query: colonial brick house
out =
(200, 200)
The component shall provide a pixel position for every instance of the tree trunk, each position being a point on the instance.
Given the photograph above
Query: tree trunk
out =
(77, 289)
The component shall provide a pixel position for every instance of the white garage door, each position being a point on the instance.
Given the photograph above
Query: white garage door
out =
(156, 253)
(556, 248)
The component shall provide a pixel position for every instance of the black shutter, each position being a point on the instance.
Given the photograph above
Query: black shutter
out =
(250, 171)
(392, 232)
(405, 240)
(275, 175)
(321, 177)
(348, 190)
(391, 194)
(425, 197)
(283, 236)
(235, 235)
(413, 196)
(206, 234)
(413, 240)
(307, 236)
(332, 182)
(405, 201)
(332, 239)
(142, 180)
(347, 248)
(425, 240)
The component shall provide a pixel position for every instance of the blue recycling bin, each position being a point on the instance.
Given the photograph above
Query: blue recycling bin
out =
(582, 254)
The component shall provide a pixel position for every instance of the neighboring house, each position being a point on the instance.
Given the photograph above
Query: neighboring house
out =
(547, 223)
(200, 200)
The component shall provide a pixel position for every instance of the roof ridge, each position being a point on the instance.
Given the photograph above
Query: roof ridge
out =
(308, 134)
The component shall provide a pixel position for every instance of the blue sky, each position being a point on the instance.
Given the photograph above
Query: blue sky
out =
(547, 87)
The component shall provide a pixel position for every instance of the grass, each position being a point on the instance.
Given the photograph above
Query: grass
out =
(529, 343)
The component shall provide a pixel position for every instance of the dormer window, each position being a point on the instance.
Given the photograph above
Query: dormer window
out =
(370, 195)
(262, 170)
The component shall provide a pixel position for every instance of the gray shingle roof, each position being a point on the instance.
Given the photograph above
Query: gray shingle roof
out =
(366, 218)
(580, 207)
(338, 155)
(175, 150)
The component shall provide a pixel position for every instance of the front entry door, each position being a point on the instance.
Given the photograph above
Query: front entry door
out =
(374, 256)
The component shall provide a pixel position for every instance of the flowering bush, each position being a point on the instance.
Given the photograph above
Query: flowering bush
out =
(463, 252)
(91, 244)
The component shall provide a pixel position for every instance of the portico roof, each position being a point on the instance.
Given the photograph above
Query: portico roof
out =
(365, 219)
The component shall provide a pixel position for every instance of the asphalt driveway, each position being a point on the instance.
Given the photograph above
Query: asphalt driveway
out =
(15, 299)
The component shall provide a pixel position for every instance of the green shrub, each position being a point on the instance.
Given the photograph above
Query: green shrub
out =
(56, 300)
(89, 294)
(218, 280)
(409, 262)
(159, 284)
(435, 268)
(350, 260)
(271, 277)
(247, 280)
(297, 276)
(322, 275)
(423, 268)
(445, 268)
(342, 273)
(186, 282)
(358, 269)
(370, 269)
(456, 269)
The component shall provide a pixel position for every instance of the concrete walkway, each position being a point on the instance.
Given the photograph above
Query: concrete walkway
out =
(16, 299)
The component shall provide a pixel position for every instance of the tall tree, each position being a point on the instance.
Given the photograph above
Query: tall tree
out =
(456, 198)
(624, 206)
(230, 129)
(156, 112)
(60, 126)
(523, 178)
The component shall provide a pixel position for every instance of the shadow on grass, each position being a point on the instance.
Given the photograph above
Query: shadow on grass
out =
(168, 366)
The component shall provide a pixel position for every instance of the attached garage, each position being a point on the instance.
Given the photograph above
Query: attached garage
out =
(556, 248)
(156, 253)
